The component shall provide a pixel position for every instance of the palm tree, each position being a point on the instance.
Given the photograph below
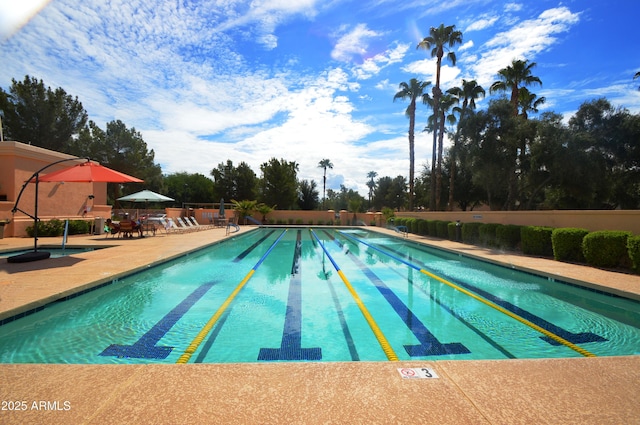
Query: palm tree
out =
(446, 103)
(325, 163)
(514, 77)
(371, 184)
(436, 41)
(529, 102)
(411, 91)
(469, 92)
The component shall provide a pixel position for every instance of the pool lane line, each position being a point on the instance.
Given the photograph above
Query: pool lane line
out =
(382, 340)
(353, 352)
(574, 338)
(145, 347)
(428, 345)
(184, 358)
(291, 342)
(252, 247)
(462, 320)
(491, 304)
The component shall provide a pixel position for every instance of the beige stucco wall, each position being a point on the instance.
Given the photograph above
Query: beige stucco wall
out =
(588, 219)
(18, 162)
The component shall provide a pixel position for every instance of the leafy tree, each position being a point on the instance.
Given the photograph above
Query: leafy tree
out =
(41, 116)
(122, 149)
(308, 198)
(234, 182)
(189, 188)
(324, 164)
(279, 183)
(412, 91)
(437, 41)
(390, 193)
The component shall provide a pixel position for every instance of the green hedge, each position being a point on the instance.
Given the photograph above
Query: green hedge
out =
(633, 247)
(536, 240)
(432, 228)
(451, 230)
(55, 227)
(471, 232)
(487, 234)
(441, 229)
(606, 248)
(567, 244)
(508, 236)
(423, 228)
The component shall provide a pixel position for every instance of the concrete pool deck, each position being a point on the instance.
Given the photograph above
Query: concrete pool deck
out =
(602, 390)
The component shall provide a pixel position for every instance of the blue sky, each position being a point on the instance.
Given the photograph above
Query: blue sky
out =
(209, 80)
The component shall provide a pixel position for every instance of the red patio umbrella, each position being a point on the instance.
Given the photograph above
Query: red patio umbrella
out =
(85, 172)
(89, 172)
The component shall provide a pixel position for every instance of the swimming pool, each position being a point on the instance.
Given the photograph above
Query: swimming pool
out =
(324, 294)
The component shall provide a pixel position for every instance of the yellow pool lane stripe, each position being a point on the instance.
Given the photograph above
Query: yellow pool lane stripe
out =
(382, 340)
(522, 320)
(193, 347)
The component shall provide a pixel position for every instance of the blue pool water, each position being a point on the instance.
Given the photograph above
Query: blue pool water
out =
(324, 295)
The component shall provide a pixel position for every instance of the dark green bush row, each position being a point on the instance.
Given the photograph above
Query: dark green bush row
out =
(606, 249)
(536, 240)
(55, 227)
(611, 249)
(567, 244)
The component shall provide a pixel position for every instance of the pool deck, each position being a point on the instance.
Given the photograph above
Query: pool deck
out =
(549, 391)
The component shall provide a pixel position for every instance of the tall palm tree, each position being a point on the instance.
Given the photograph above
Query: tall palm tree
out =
(371, 184)
(436, 41)
(412, 91)
(325, 163)
(513, 78)
(469, 92)
(446, 104)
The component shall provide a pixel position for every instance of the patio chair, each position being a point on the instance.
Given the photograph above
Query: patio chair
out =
(185, 225)
(198, 225)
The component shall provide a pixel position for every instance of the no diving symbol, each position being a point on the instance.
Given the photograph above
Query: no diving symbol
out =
(408, 373)
(417, 373)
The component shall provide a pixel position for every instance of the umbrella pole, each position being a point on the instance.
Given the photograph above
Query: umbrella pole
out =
(35, 220)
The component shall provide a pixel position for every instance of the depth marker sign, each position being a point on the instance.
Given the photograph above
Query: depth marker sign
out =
(417, 373)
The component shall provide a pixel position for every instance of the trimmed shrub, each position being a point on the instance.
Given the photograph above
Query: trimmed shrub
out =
(567, 244)
(78, 227)
(412, 225)
(451, 231)
(432, 228)
(422, 227)
(536, 240)
(606, 248)
(441, 229)
(53, 227)
(471, 232)
(633, 247)
(487, 234)
(508, 236)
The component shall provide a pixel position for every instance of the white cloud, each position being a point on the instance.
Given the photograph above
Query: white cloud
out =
(523, 41)
(481, 24)
(353, 44)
